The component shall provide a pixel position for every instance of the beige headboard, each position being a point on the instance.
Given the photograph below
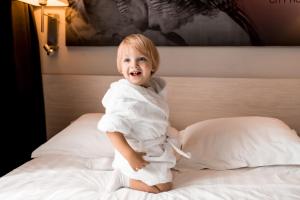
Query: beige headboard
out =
(190, 98)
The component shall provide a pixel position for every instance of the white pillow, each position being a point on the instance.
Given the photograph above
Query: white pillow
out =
(229, 143)
(80, 138)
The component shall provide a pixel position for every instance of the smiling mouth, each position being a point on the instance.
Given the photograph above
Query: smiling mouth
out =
(135, 73)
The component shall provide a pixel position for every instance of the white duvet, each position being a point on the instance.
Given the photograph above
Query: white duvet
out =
(65, 177)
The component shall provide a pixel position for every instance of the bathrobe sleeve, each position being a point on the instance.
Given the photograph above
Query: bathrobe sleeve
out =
(118, 110)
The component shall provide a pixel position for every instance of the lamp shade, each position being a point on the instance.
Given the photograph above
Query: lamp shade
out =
(58, 3)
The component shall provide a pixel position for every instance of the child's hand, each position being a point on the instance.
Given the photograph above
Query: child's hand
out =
(136, 160)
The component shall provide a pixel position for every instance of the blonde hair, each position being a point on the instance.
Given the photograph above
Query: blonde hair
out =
(142, 44)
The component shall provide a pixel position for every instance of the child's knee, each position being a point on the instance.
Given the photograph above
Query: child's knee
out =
(153, 189)
(164, 187)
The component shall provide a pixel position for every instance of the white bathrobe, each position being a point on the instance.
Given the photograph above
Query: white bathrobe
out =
(142, 115)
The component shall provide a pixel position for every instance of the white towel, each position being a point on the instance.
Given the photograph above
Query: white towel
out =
(142, 115)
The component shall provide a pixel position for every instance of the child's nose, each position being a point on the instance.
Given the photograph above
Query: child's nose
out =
(135, 63)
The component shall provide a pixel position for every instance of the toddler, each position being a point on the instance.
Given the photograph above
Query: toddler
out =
(136, 120)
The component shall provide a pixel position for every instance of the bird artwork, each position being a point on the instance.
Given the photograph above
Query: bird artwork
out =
(166, 22)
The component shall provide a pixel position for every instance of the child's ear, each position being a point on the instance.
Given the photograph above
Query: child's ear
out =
(152, 70)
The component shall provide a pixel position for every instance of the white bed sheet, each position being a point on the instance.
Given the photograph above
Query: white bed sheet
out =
(64, 177)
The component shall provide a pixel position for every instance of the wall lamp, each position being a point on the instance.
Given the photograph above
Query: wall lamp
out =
(51, 46)
(43, 3)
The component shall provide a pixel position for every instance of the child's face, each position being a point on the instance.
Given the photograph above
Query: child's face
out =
(136, 67)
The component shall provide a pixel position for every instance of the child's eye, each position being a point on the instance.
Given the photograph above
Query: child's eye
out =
(142, 59)
(126, 60)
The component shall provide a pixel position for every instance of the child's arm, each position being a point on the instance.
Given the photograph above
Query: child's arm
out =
(135, 159)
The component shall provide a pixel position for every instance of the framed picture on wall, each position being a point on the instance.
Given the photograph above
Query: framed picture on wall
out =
(184, 22)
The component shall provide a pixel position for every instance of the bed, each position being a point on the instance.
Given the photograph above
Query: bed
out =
(242, 134)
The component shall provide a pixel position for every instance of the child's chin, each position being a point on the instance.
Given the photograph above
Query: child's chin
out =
(136, 82)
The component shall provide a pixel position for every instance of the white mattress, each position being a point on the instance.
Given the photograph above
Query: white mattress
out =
(64, 177)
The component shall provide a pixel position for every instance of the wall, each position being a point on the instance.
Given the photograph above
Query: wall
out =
(267, 62)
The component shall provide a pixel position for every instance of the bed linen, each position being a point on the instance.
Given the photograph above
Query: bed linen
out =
(61, 177)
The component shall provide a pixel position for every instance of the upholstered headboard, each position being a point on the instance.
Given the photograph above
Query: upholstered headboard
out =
(190, 98)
